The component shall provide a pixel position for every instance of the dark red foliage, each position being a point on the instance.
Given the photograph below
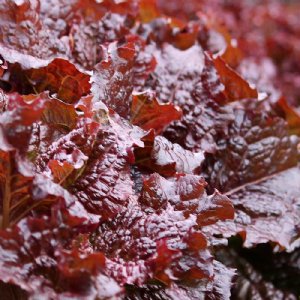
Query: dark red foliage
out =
(267, 210)
(148, 113)
(36, 255)
(186, 193)
(149, 149)
(236, 88)
(104, 185)
(114, 77)
(258, 144)
(197, 89)
(166, 158)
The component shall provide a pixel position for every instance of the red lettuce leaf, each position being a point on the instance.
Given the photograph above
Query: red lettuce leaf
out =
(83, 215)
(292, 116)
(148, 113)
(87, 35)
(138, 248)
(266, 211)
(35, 255)
(189, 79)
(236, 88)
(121, 68)
(22, 191)
(59, 114)
(250, 282)
(72, 148)
(166, 158)
(17, 121)
(220, 288)
(186, 193)
(59, 76)
(257, 145)
(26, 35)
(111, 81)
(105, 185)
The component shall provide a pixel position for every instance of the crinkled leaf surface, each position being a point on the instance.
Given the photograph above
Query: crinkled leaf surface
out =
(117, 124)
(140, 249)
(113, 77)
(187, 193)
(257, 145)
(121, 67)
(23, 32)
(267, 211)
(166, 158)
(189, 79)
(105, 185)
(219, 288)
(87, 35)
(35, 255)
(18, 118)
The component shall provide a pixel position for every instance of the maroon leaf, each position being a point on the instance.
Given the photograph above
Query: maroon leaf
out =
(68, 153)
(113, 76)
(257, 145)
(218, 289)
(22, 191)
(82, 212)
(138, 247)
(105, 186)
(59, 76)
(24, 38)
(236, 88)
(148, 113)
(250, 283)
(46, 34)
(17, 122)
(51, 268)
(189, 79)
(86, 36)
(166, 158)
(266, 211)
(186, 193)
(121, 66)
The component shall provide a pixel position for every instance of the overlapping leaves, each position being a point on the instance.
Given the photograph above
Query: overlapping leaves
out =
(117, 124)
